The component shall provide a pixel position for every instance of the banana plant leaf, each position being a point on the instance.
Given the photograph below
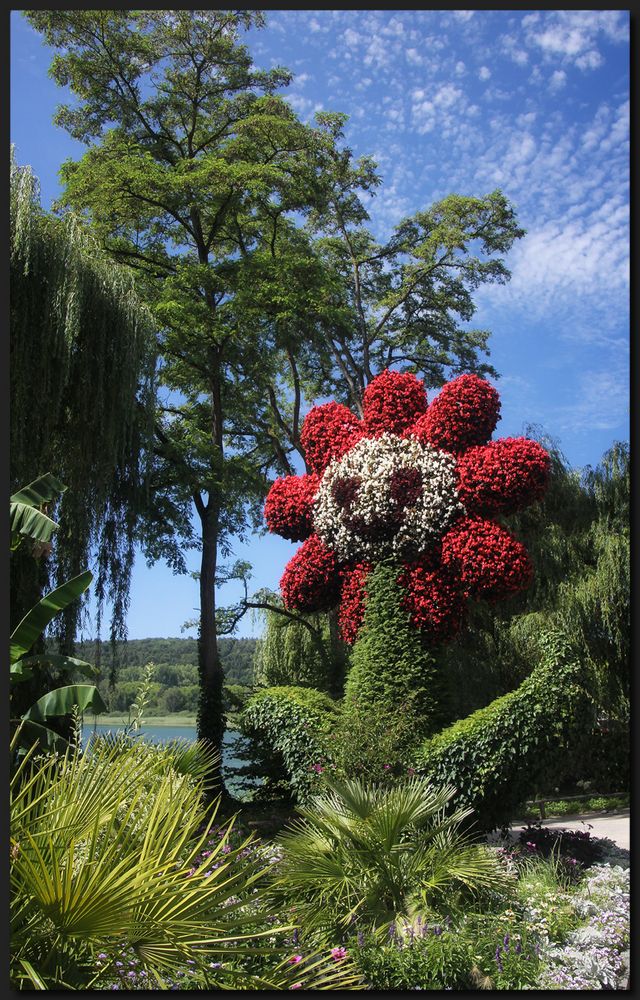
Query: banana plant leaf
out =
(37, 619)
(23, 668)
(25, 517)
(29, 733)
(42, 490)
(61, 700)
(30, 522)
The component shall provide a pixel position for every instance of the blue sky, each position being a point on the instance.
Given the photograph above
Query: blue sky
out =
(533, 102)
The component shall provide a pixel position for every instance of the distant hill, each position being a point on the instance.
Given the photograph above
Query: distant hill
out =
(236, 654)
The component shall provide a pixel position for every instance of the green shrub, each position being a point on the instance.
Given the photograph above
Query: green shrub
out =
(377, 746)
(469, 955)
(502, 754)
(562, 808)
(366, 855)
(392, 670)
(289, 731)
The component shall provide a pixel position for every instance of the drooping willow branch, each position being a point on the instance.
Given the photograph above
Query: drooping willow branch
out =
(82, 373)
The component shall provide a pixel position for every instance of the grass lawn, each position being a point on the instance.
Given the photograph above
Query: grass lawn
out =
(120, 719)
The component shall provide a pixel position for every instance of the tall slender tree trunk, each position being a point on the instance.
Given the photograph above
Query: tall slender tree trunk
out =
(211, 717)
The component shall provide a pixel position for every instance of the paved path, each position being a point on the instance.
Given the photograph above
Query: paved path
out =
(615, 826)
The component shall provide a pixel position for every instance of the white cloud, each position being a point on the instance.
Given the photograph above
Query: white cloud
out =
(460, 68)
(572, 35)
(557, 80)
(598, 402)
(484, 73)
(590, 60)
(510, 48)
(352, 38)
(463, 15)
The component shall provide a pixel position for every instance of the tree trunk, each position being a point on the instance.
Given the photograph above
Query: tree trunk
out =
(211, 717)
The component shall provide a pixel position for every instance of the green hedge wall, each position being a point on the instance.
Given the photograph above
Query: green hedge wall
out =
(500, 755)
(290, 730)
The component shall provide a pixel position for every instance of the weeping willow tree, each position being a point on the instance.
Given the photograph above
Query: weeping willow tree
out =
(81, 386)
(291, 653)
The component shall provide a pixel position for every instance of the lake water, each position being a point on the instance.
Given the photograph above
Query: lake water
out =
(164, 734)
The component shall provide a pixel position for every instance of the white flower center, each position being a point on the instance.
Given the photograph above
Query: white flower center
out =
(387, 496)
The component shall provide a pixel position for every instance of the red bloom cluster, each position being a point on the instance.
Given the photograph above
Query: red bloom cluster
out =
(288, 507)
(465, 413)
(392, 402)
(311, 581)
(352, 600)
(473, 558)
(433, 599)
(328, 431)
(490, 562)
(503, 476)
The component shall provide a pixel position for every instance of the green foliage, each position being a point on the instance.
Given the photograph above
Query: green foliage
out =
(108, 857)
(27, 512)
(392, 670)
(30, 724)
(290, 732)
(376, 746)
(287, 654)
(500, 755)
(81, 371)
(368, 855)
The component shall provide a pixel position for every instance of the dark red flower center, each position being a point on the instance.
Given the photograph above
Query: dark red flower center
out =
(345, 490)
(405, 486)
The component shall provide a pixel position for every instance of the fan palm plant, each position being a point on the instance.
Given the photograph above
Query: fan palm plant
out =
(108, 854)
(376, 854)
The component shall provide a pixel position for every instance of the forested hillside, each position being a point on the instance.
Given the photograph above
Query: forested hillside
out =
(176, 660)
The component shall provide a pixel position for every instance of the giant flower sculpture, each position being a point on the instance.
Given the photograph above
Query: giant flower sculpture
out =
(422, 484)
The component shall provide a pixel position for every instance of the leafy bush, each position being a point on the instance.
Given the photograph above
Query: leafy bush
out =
(576, 844)
(289, 732)
(500, 755)
(471, 954)
(376, 746)
(561, 808)
(366, 855)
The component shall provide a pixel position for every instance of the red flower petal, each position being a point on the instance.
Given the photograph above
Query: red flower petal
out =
(503, 476)
(352, 600)
(465, 413)
(311, 581)
(490, 561)
(289, 506)
(328, 431)
(433, 598)
(392, 402)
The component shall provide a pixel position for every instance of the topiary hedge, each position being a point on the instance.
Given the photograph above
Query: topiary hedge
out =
(392, 668)
(290, 730)
(500, 755)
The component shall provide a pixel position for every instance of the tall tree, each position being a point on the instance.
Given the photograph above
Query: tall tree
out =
(400, 303)
(82, 359)
(193, 167)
